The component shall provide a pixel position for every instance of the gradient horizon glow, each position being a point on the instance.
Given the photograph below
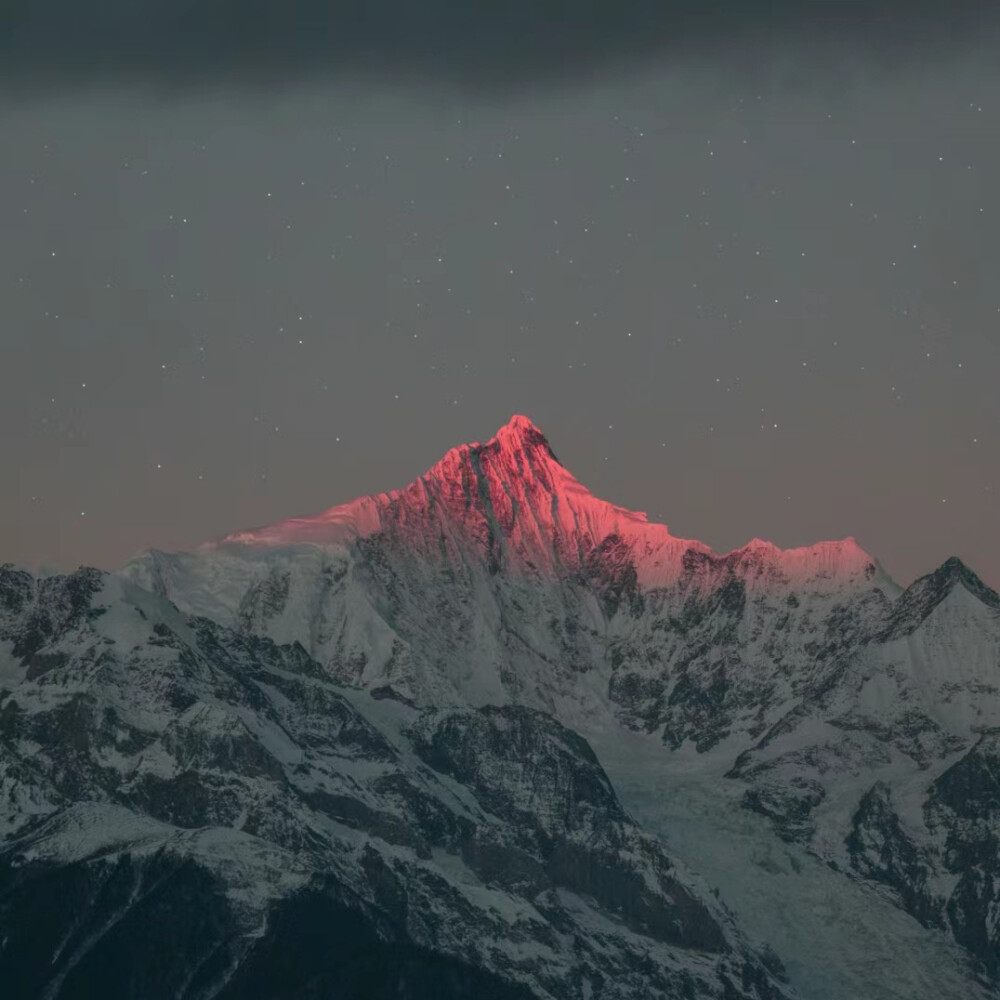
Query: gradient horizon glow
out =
(739, 262)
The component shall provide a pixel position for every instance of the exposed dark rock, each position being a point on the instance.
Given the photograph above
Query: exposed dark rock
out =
(789, 804)
(162, 928)
(881, 850)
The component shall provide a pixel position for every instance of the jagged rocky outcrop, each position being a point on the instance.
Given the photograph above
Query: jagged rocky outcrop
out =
(944, 866)
(193, 811)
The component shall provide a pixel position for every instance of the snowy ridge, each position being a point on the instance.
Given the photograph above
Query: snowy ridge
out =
(515, 493)
(160, 751)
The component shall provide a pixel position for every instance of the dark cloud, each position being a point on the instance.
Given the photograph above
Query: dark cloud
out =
(488, 45)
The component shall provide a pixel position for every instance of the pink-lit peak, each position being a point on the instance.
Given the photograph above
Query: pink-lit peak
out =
(519, 437)
(519, 431)
(514, 491)
(518, 423)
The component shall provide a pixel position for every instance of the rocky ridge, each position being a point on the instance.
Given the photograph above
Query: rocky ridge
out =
(168, 781)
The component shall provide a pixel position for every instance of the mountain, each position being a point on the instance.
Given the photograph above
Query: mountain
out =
(514, 498)
(491, 734)
(191, 811)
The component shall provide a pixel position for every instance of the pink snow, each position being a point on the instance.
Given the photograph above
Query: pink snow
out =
(513, 497)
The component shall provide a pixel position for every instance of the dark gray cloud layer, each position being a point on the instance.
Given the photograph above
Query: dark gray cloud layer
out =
(487, 45)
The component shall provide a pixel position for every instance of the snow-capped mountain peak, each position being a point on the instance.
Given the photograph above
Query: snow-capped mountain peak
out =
(513, 499)
(520, 434)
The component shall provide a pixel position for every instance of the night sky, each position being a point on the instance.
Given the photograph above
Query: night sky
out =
(738, 261)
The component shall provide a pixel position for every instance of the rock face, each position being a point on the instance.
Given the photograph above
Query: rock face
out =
(193, 811)
(482, 729)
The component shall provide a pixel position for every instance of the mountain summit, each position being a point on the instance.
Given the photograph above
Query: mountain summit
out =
(512, 497)
(520, 434)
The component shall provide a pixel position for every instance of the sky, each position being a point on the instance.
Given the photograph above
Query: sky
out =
(738, 261)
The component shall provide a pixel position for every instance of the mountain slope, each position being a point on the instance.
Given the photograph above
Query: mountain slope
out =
(155, 767)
